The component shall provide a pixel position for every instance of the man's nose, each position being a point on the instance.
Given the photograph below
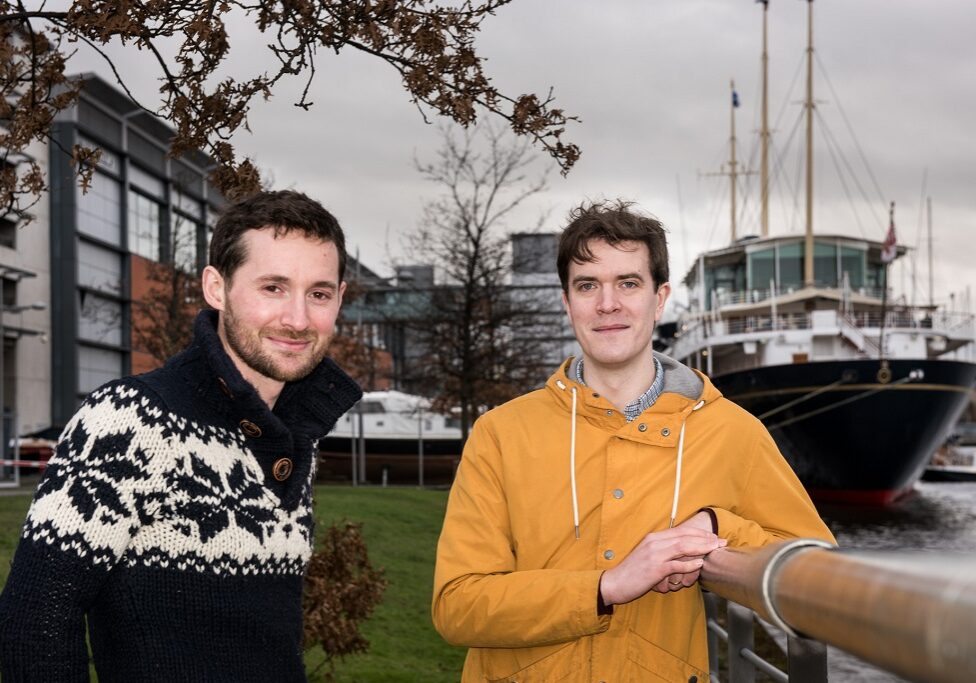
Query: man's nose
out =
(608, 301)
(295, 314)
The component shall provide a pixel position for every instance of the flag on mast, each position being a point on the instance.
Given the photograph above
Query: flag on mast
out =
(890, 247)
(735, 99)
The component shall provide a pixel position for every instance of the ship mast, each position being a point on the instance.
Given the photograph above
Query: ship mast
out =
(733, 164)
(764, 130)
(928, 204)
(808, 248)
(733, 171)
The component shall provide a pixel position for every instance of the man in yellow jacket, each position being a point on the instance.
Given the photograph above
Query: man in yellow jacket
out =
(582, 512)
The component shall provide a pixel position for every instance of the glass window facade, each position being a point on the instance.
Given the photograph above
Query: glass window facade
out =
(96, 367)
(149, 184)
(187, 204)
(99, 268)
(99, 319)
(185, 243)
(145, 216)
(100, 209)
(108, 161)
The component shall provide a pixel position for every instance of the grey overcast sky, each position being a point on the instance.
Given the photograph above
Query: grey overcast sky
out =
(649, 80)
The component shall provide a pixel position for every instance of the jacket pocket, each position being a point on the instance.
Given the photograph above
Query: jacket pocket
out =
(652, 663)
(530, 664)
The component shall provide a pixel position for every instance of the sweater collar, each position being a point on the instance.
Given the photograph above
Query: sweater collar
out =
(310, 406)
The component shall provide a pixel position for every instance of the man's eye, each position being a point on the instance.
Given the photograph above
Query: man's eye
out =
(273, 289)
(321, 296)
(586, 286)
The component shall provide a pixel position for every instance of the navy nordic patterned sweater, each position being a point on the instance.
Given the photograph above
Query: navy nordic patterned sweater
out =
(176, 516)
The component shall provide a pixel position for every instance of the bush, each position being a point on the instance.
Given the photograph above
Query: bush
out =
(341, 591)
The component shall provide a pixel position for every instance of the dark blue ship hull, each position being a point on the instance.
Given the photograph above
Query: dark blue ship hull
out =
(849, 435)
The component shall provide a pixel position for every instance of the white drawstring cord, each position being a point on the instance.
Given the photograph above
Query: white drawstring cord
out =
(572, 465)
(677, 476)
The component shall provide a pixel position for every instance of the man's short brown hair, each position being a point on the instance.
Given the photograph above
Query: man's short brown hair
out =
(283, 211)
(611, 222)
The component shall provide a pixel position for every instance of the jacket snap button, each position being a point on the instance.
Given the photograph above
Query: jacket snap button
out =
(282, 469)
(642, 427)
(693, 679)
(608, 554)
(224, 388)
(665, 432)
(250, 429)
(618, 494)
(609, 412)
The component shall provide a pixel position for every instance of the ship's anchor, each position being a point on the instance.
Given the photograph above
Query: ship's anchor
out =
(884, 373)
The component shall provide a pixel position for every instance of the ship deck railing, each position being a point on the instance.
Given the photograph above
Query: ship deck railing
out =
(697, 328)
(739, 297)
(909, 613)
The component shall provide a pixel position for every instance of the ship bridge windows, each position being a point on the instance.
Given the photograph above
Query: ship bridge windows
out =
(852, 262)
(790, 266)
(875, 277)
(724, 281)
(825, 263)
(761, 269)
(783, 264)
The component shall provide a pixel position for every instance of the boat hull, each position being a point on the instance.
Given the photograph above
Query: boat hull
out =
(949, 474)
(395, 460)
(849, 436)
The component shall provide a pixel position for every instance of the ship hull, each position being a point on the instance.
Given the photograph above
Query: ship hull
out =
(949, 474)
(393, 459)
(848, 436)
(393, 445)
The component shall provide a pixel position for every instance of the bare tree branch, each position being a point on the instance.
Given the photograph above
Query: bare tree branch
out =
(477, 333)
(430, 45)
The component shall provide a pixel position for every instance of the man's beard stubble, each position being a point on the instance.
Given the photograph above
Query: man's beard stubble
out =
(247, 346)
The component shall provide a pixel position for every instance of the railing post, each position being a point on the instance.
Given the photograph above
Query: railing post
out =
(807, 660)
(741, 637)
(711, 614)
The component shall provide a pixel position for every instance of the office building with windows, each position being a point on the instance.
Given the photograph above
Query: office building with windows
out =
(88, 255)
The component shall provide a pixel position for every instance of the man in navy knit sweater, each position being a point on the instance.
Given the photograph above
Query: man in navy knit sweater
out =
(176, 515)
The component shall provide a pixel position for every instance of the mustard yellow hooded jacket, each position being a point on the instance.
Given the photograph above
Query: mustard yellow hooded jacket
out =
(515, 585)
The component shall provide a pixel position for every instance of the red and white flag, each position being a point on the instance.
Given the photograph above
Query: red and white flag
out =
(890, 247)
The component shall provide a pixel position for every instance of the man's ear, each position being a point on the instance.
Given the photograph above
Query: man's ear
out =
(663, 292)
(214, 288)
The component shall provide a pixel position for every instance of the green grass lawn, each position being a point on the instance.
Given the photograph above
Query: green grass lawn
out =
(401, 527)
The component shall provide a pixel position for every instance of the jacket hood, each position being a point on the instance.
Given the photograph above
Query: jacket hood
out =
(683, 389)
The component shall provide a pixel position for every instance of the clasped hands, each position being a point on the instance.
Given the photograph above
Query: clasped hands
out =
(664, 561)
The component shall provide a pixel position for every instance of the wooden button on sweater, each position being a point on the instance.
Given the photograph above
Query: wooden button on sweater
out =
(250, 429)
(282, 469)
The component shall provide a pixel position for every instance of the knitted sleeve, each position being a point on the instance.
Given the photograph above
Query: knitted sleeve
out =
(93, 497)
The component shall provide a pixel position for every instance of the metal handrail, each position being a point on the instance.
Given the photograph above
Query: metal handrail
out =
(910, 613)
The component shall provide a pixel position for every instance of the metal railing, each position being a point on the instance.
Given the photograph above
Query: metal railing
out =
(806, 658)
(910, 613)
(696, 328)
(755, 296)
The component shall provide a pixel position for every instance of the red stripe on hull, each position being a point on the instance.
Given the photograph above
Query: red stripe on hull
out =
(855, 497)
